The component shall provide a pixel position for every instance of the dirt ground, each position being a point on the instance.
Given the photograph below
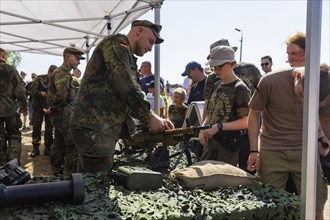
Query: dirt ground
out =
(39, 166)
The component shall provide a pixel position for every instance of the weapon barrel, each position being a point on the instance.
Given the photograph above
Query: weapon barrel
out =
(43, 192)
(189, 130)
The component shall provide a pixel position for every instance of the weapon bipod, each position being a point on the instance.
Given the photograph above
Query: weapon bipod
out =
(186, 149)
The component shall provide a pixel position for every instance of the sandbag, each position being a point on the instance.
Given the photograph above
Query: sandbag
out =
(210, 175)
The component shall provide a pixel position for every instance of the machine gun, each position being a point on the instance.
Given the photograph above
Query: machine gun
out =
(44, 88)
(146, 139)
(159, 158)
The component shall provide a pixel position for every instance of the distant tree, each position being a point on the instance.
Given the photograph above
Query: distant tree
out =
(14, 58)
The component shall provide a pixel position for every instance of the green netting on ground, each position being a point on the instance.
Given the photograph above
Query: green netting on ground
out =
(106, 200)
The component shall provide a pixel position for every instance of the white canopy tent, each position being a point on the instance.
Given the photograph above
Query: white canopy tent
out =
(47, 27)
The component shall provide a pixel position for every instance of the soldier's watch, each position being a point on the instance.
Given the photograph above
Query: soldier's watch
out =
(220, 126)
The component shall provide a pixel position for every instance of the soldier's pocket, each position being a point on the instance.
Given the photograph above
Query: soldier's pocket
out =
(102, 144)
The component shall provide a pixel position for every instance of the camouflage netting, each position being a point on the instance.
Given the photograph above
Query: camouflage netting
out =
(105, 199)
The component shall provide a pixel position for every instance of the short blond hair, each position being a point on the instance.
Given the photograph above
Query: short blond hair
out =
(181, 91)
(298, 38)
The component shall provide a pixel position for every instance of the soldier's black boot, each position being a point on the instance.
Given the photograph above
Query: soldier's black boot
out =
(35, 151)
(47, 151)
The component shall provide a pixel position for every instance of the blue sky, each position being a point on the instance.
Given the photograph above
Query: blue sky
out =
(189, 27)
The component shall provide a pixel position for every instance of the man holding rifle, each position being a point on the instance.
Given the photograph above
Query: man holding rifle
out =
(110, 97)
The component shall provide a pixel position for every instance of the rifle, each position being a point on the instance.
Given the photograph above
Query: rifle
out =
(158, 160)
(146, 139)
(44, 88)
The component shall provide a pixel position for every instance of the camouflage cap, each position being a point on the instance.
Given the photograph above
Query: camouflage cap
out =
(221, 42)
(155, 28)
(75, 51)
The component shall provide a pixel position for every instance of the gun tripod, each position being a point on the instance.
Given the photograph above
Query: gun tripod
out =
(186, 150)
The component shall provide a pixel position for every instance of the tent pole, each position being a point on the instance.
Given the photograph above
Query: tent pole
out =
(157, 64)
(311, 106)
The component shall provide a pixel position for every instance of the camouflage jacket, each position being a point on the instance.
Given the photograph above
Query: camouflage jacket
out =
(11, 90)
(75, 84)
(60, 96)
(110, 94)
(39, 85)
(247, 72)
(178, 114)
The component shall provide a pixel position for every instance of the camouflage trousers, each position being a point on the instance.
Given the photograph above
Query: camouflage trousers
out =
(37, 120)
(10, 139)
(95, 150)
(63, 156)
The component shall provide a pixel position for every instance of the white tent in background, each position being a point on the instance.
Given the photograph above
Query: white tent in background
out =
(47, 27)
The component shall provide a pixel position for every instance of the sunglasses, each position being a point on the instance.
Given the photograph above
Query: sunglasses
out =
(264, 64)
(214, 68)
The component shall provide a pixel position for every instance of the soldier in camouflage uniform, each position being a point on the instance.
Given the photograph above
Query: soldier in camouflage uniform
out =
(38, 91)
(75, 80)
(11, 91)
(61, 98)
(227, 108)
(110, 97)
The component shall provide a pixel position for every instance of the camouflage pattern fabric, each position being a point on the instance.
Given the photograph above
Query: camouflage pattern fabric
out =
(178, 115)
(61, 99)
(103, 101)
(60, 93)
(104, 199)
(11, 92)
(109, 94)
(211, 79)
(250, 75)
(37, 119)
(39, 85)
(63, 156)
(228, 102)
(247, 72)
(10, 139)
(38, 103)
(75, 84)
(94, 151)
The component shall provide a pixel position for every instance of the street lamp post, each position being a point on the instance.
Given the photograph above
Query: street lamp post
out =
(240, 55)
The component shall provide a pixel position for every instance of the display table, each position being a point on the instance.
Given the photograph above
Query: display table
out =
(104, 199)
